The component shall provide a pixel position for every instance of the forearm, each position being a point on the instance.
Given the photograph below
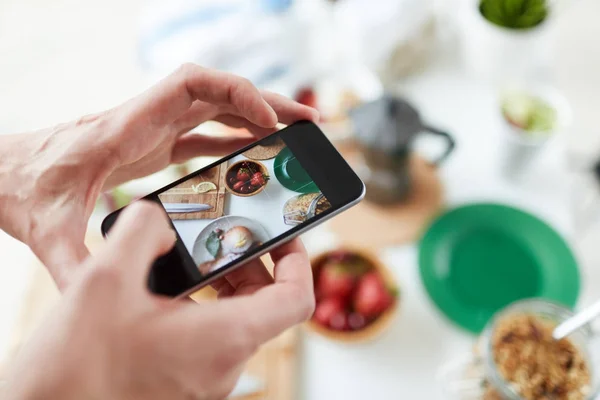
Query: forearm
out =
(37, 391)
(47, 385)
(15, 152)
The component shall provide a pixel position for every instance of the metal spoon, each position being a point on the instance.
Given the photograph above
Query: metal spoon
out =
(577, 321)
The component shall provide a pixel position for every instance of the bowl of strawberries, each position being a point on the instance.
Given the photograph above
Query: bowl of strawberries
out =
(356, 296)
(246, 178)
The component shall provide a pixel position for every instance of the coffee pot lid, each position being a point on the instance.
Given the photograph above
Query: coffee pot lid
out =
(388, 123)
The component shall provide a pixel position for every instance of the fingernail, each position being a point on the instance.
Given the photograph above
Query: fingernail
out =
(316, 115)
(274, 117)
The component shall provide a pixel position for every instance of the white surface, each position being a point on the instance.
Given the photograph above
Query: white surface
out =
(406, 360)
(265, 207)
(247, 385)
(68, 58)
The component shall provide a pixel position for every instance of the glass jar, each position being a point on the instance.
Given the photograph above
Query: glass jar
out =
(304, 206)
(479, 376)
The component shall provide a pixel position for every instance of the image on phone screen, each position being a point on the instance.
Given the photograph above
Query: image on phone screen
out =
(238, 205)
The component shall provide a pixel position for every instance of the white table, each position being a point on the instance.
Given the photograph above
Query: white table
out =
(405, 361)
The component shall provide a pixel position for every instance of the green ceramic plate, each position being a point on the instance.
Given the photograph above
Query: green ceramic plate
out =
(476, 259)
(291, 174)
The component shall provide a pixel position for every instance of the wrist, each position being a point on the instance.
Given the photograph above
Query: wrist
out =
(74, 159)
(65, 164)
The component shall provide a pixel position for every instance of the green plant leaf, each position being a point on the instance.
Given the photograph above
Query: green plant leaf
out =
(213, 244)
(513, 7)
(515, 14)
(492, 9)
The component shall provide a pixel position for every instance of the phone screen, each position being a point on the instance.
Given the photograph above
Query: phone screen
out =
(243, 204)
(240, 204)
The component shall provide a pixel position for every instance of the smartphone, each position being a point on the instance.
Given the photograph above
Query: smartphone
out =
(243, 205)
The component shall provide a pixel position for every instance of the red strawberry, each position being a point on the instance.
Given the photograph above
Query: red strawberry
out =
(246, 189)
(372, 297)
(327, 309)
(243, 174)
(258, 179)
(335, 281)
(356, 321)
(339, 321)
(307, 97)
(238, 186)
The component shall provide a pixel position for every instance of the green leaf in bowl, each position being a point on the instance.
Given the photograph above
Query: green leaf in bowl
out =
(213, 244)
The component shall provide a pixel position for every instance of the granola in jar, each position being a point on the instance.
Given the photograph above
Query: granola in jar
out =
(304, 206)
(534, 364)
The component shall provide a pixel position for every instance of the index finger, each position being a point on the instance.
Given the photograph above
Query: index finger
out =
(174, 95)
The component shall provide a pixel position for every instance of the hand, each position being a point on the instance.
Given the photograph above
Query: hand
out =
(50, 180)
(110, 338)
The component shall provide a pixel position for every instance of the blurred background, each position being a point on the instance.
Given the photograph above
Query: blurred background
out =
(514, 90)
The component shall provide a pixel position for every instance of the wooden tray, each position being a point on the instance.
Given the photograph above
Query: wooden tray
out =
(375, 226)
(274, 364)
(183, 193)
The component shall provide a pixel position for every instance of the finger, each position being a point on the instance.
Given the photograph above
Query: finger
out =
(140, 235)
(193, 145)
(249, 278)
(292, 293)
(289, 111)
(294, 246)
(240, 122)
(292, 269)
(198, 113)
(223, 288)
(172, 97)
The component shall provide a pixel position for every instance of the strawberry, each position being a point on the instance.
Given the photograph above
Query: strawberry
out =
(327, 309)
(371, 297)
(238, 186)
(335, 281)
(243, 174)
(307, 97)
(356, 321)
(258, 179)
(339, 321)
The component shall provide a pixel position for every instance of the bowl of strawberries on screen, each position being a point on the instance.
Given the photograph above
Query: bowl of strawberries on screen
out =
(356, 297)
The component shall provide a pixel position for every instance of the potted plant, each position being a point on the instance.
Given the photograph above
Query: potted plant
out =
(508, 39)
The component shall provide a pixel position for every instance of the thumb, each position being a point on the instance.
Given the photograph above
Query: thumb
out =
(141, 234)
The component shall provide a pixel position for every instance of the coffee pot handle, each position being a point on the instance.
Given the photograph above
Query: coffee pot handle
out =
(451, 144)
